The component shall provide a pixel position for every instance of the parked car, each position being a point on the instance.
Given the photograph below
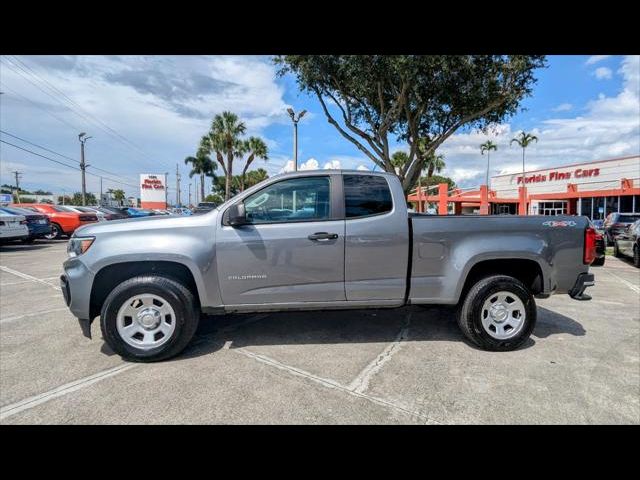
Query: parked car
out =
(133, 212)
(204, 207)
(600, 247)
(181, 211)
(83, 209)
(38, 224)
(627, 243)
(616, 223)
(63, 221)
(112, 213)
(159, 211)
(354, 246)
(598, 225)
(12, 227)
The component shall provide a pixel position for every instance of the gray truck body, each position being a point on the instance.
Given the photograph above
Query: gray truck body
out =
(385, 260)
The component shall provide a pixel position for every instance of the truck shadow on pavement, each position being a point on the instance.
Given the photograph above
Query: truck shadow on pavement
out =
(433, 323)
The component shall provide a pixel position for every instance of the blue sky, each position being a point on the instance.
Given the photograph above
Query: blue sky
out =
(147, 113)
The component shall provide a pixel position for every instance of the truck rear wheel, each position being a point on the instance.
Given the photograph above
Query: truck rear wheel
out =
(149, 318)
(498, 313)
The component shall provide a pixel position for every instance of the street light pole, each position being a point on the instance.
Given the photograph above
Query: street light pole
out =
(295, 121)
(166, 190)
(83, 138)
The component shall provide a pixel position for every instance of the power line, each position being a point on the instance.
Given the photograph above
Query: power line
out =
(23, 70)
(67, 165)
(56, 153)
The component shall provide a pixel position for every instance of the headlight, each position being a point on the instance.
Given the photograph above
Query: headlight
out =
(78, 245)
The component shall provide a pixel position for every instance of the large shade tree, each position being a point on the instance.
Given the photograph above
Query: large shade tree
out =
(420, 100)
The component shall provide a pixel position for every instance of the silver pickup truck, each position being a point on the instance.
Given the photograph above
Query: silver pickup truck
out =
(319, 240)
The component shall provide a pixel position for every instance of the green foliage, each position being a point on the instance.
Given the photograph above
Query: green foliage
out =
(42, 192)
(488, 146)
(419, 99)
(214, 197)
(435, 180)
(76, 199)
(524, 139)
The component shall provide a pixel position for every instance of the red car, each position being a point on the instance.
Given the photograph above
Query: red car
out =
(63, 221)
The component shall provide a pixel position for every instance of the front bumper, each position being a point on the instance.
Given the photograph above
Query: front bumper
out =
(583, 281)
(76, 284)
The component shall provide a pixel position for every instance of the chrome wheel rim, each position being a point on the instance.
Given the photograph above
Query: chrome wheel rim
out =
(53, 235)
(146, 321)
(503, 315)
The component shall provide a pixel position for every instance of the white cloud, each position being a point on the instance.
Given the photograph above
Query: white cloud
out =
(363, 168)
(593, 59)
(332, 165)
(603, 73)
(563, 107)
(311, 164)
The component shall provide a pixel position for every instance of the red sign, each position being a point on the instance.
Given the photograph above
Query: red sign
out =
(152, 182)
(556, 175)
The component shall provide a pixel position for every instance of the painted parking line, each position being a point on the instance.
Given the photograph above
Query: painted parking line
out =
(31, 402)
(20, 317)
(27, 281)
(27, 277)
(627, 283)
(328, 383)
(361, 383)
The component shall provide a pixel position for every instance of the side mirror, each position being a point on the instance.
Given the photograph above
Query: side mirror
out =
(237, 215)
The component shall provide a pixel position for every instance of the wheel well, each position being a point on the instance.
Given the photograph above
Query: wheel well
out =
(527, 271)
(111, 276)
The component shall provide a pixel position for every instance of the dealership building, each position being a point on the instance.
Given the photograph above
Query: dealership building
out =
(593, 189)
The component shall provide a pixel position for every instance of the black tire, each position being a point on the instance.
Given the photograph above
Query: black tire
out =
(470, 311)
(598, 262)
(182, 301)
(616, 251)
(636, 256)
(56, 232)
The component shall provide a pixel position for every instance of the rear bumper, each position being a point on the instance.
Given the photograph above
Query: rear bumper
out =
(583, 281)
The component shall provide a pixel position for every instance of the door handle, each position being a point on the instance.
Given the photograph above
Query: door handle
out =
(323, 236)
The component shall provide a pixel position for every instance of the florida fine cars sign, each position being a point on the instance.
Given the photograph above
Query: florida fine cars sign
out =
(556, 175)
(152, 191)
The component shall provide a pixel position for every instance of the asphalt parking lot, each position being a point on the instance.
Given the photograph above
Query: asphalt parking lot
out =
(407, 365)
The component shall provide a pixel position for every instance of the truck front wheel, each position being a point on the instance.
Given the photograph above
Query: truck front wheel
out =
(498, 313)
(149, 318)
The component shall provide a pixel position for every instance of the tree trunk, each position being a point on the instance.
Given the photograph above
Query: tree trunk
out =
(202, 187)
(229, 179)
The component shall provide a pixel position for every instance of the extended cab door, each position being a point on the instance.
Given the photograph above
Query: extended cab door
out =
(293, 249)
(377, 237)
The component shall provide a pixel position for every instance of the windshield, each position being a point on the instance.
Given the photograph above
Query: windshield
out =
(628, 218)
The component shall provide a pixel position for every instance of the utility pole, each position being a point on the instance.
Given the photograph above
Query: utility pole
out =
(189, 205)
(17, 175)
(100, 201)
(295, 120)
(166, 190)
(82, 139)
(178, 204)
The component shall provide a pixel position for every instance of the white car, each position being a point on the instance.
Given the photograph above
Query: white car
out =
(13, 227)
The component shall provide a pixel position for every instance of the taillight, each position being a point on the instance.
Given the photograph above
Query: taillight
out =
(589, 246)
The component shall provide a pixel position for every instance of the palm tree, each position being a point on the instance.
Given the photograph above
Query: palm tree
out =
(257, 149)
(201, 165)
(487, 147)
(119, 196)
(524, 140)
(224, 139)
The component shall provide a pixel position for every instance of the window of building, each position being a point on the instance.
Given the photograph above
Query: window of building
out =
(636, 203)
(585, 208)
(598, 208)
(552, 208)
(366, 195)
(612, 204)
(626, 203)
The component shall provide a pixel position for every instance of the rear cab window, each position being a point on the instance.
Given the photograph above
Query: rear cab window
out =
(366, 195)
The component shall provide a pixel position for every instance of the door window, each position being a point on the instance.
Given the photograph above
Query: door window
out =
(366, 195)
(293, 200)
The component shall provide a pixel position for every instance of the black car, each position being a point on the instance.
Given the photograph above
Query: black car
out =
(204, 207)
(627, 243)
(615, 223)
(37, 223)
(112, 213)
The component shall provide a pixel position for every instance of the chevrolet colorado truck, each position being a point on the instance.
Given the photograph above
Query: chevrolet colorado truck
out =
(319, 240)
